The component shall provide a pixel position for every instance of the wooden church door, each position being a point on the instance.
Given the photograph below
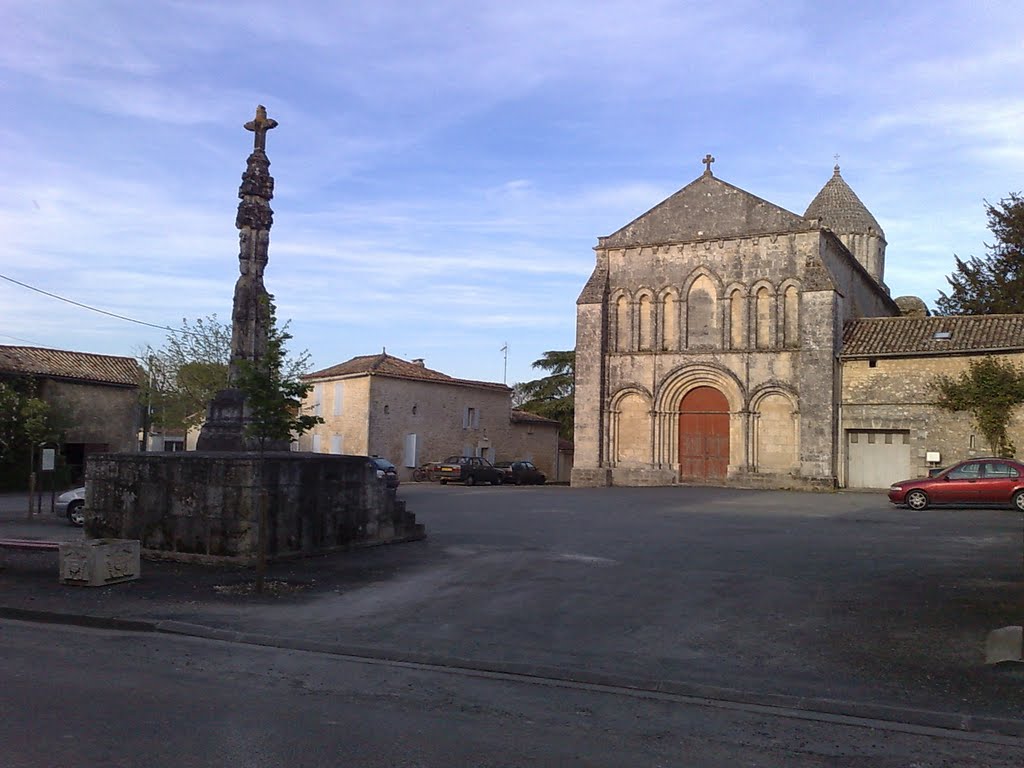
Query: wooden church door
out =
(703, 435)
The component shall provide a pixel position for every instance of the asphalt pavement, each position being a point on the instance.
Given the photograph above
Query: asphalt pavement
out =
(828, 604)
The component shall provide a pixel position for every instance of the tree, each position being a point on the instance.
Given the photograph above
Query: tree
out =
(552, 396)
(25, 421)
(993, 284)
(274, 392)
(988, 390)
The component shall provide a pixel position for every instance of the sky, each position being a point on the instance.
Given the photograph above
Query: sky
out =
(443, 170)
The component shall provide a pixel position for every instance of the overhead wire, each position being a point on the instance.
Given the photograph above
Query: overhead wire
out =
(95, 309)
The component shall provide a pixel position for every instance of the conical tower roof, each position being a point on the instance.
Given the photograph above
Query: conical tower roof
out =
(839, 209)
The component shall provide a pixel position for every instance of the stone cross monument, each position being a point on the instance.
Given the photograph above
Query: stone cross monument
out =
(224, 429)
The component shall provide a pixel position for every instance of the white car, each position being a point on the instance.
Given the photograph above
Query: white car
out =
(72, 504)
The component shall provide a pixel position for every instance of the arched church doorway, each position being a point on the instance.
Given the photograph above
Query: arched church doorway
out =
(703, 435)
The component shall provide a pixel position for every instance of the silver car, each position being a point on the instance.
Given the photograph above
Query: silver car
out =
(72, 504)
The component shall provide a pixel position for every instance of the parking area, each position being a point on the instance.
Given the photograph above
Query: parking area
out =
(831, 596)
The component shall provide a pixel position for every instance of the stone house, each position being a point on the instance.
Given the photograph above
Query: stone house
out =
(716, 334)
(891, 429)
(96, 397)
(385, 406)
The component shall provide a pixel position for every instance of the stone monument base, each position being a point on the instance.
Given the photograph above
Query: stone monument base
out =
(98, 562)
(199, 505)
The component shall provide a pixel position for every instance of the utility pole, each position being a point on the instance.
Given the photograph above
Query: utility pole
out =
(504, 372)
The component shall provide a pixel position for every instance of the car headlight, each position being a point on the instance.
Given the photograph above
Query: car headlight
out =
(895, 487)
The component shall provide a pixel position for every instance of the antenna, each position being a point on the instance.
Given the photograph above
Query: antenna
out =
(504, 372)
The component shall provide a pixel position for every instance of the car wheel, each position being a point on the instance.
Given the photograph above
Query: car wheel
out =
(917, 500)
(470, 479)
(1018, 501)
(444, 482)
(76, 513)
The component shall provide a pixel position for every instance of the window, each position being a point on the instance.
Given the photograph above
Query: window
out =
(318, 394)
(339, 396)
(999, 469)
(471, 418)
(336, 444)
(970, 471)
(644, 321)
(316, 443)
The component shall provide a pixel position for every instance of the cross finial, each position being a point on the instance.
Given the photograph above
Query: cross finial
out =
(836, 168)
(260, 125)
(708, 160)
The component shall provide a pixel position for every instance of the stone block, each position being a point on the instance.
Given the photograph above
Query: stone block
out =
(98, 562)
(1006, 644)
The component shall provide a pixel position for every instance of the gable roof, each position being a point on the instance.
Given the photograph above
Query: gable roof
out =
(705, 209)
(909, 336)
(525, 417)
(838, 208)
(62, 364)
(396, 368)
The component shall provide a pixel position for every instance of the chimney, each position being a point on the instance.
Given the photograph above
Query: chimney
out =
(418, 361)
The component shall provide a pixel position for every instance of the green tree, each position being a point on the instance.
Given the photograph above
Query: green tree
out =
(989, 390)
(274, 391)
(552, 396)
(25, 421)
(993, 284)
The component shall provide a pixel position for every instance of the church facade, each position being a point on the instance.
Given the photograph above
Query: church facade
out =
(710, 343)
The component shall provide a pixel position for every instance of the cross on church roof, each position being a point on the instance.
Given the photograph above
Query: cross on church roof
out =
(260, 125)
(708, 160)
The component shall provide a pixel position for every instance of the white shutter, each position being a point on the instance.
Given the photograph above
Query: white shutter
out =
(409, 459)
(316, 443)
(339, 395)
(336, 444)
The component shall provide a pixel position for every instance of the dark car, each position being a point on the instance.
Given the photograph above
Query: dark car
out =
(521, 473)
(975, 481)
(469, 470)
(385, 471)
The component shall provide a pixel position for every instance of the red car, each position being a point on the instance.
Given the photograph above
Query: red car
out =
(975, 481)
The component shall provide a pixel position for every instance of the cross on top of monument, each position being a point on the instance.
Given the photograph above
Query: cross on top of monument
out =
(708, 160)
(260, 125)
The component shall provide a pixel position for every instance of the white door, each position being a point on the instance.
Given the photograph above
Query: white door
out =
(877, 458)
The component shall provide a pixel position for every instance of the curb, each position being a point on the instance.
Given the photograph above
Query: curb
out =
(986, 729)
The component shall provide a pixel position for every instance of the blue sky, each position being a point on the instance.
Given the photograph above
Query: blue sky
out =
(444, 170)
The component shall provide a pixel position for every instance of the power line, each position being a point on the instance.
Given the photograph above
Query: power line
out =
(94, 309)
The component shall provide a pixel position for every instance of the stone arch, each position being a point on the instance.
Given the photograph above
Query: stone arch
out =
(789, 292)
(763, 314)
(622, 321)
(630, 433)
(644, 303)
(669, 325)
(669, 397)
(736, 296)
(703, 326)
(775, 430)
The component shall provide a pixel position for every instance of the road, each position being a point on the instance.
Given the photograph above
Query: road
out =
(91, 697)
(660, 626)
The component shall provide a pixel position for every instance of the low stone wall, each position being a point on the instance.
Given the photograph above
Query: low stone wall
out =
(208, 504)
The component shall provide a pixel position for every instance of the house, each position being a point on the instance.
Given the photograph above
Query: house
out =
(724, 339)
(385, 406)
(95, 398)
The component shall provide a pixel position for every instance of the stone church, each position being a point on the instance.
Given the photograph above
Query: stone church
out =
(722, 339)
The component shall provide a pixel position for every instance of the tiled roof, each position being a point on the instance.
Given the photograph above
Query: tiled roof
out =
(525, 417)
(394, 367)
(60, 364)
(901, 336)
(839, 209)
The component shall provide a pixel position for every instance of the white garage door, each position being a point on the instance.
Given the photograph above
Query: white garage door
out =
(877, 459)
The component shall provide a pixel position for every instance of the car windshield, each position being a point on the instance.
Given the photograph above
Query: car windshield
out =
(383, 463)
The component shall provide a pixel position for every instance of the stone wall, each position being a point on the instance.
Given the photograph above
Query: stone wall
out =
(207, 504)
(894, 394)
(98, 414)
